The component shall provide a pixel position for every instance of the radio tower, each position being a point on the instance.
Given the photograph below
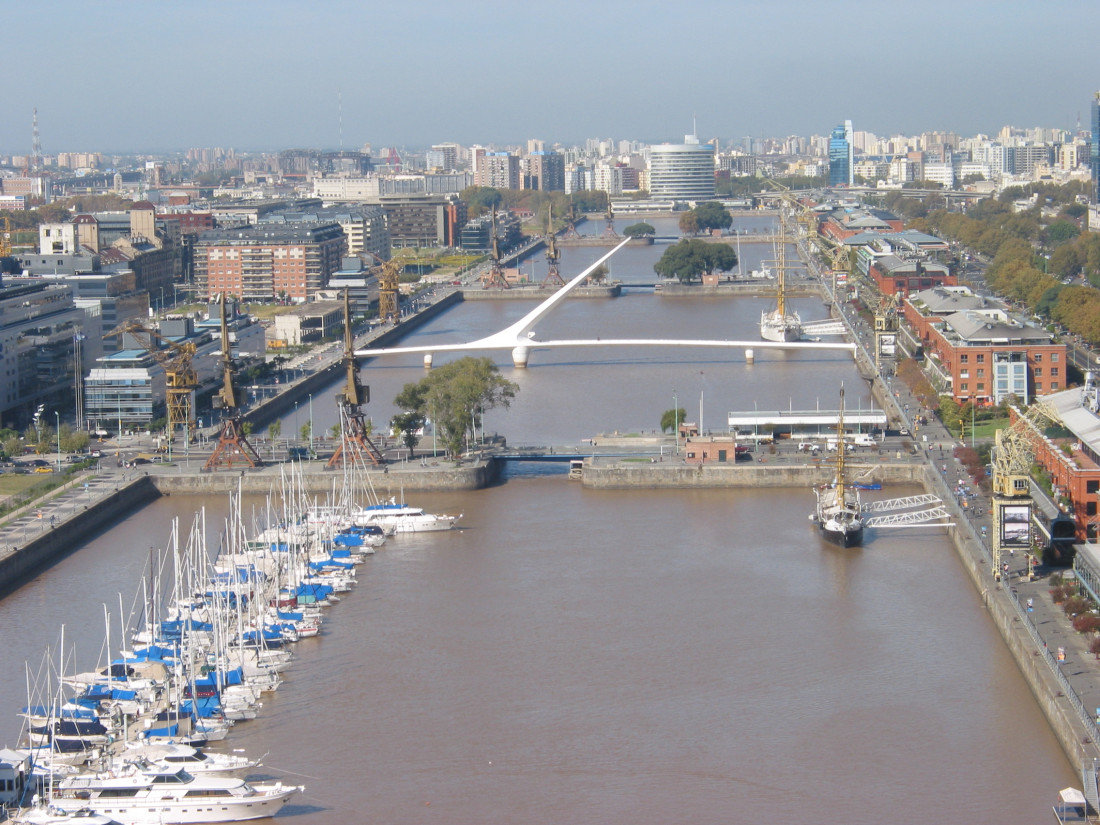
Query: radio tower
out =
(36, 144)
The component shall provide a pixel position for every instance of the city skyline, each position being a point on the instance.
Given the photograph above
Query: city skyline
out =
(127, 76)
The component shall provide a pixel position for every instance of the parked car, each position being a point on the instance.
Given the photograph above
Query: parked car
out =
(43, 469)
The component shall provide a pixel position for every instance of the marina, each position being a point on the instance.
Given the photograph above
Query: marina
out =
(564, 672)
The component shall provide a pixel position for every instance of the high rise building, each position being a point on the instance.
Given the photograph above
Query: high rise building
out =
(841, 168)
(682, 171)
(1094, 150)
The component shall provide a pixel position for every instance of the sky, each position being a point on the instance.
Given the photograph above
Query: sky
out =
(120, 76)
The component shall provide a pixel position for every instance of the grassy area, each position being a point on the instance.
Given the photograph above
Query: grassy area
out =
(13, 483)
(266, 312)
(986, 429)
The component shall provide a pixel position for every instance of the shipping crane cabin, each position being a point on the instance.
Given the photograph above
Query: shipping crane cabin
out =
(232, 446)
(355, 448)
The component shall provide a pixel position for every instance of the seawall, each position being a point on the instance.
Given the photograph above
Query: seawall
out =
(615, 474)
(17, 564)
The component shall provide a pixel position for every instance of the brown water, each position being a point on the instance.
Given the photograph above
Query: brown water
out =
(574, 656)
(641, 657)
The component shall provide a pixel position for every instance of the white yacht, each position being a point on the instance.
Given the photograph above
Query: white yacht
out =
(170, 797)
(402, 518)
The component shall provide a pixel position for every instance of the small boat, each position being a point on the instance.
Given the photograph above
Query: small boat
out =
(403, 518)
(170, 797)
(839, 513)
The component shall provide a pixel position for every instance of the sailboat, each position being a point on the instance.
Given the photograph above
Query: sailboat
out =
(839, 513)
(780, 324)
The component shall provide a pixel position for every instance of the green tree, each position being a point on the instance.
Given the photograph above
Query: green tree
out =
(689, 223)
(639, 230)
(247, 427)
(598, 274)
(1061, 231)
(73, 441)
(712, 215)
(406, 425)
(275, 429)
(456, 396)
(334, 431)
(670, 419)
(305, 432)
(690, 258)
(481, 199)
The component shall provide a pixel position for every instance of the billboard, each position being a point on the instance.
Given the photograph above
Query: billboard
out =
(887, 343)
(1015, 525)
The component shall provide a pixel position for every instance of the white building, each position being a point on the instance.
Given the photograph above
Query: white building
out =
(609, 179)
(682, 171)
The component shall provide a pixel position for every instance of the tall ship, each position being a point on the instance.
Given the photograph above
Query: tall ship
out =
(780, 324)
(839, 512)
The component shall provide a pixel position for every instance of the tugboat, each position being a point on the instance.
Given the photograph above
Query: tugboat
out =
(839, 513)
(779, 324)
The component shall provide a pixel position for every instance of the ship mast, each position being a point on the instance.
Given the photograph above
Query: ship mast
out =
(841, 447)
(781, 275)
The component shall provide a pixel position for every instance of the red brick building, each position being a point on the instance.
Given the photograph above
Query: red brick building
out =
(262, 263)
(1074, 463)
(976, 352)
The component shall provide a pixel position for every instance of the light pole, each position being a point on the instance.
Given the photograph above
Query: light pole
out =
(57, 417)
(311, 425)
(676, 421)
(297, 435)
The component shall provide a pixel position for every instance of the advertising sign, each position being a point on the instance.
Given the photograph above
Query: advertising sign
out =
(1015, 525)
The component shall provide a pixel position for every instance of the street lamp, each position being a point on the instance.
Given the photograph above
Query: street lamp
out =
(57, 417)
(311, 425)
(297, 435)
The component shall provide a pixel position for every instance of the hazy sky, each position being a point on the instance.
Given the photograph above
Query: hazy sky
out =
(116, 76)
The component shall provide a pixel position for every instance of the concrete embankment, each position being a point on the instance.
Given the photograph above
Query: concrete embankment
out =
(1066, 723)
(315, 480)
(538, 293)
(616, 474)
(18, 563)
(751, 289)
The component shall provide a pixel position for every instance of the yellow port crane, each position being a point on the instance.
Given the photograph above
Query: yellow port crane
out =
(5, 237)
(388, 286)
(1013, 456)
(177, 360)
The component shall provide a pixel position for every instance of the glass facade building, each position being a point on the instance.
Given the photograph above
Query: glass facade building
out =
(840, 155)
(1094, 148)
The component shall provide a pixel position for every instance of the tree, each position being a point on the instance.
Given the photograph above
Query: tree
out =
(691, 257)
(456, 396)
(246, 427)
(689, 223)
(671, 419)
(598, 274)
(481, 199)
(275, 429)
(639, 230)
(305, 432)
(712, 215)
(406, 425)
